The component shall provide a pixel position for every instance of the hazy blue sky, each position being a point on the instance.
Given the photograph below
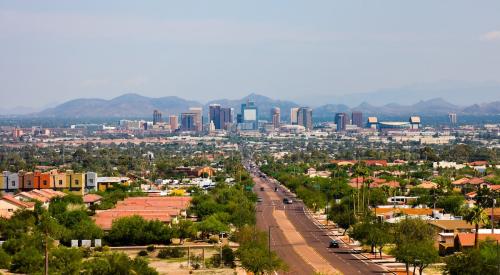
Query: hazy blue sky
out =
(52, 51)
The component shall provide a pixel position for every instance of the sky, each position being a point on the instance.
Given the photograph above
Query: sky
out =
(54, 51)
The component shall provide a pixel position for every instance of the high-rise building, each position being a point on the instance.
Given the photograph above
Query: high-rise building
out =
(226, 117)
(341, 119)
(198, 120)
(174, 122)
(156, 117)
(276, 117)
(304, 117)
(249, 116)
(357, 119)
(188, 121)
(453, 118)
(214, 115)
(293, 115)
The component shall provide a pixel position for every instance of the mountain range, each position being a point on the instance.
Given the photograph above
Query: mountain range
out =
(137, 106)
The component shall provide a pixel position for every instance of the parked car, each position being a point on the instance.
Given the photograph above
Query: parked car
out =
(261, 188)
(259, 199)
(287, 201)
(334, 244)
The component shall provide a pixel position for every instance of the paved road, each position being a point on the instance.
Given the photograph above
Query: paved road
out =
(316, 237)
(279, 243)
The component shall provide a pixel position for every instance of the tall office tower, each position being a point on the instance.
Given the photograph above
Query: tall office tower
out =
(174, 122)
(453, 118)
(198, 118)
(276, 117)
(226, 117)
(341, 121)
(294, 115)
(156, 117)
(304, 117)
(188, 121)
(357, 119)
(249, 116)
(214, 115)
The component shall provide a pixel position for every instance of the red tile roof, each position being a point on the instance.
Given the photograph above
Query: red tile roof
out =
(10, 199)
(150, 208)
(467, 239)
(91, 198)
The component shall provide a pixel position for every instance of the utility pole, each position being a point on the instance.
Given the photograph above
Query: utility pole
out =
(493, 217)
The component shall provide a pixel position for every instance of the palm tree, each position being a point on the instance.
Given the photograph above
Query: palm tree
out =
(476, 216)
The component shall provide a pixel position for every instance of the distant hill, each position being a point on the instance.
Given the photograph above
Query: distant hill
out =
(461, 93)
(134, 106)
(125, 106)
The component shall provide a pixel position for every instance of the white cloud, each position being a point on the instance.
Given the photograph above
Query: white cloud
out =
(491, 36)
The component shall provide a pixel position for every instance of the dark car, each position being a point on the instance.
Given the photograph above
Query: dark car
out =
(334, 244)
(287, 201)
(261, 188)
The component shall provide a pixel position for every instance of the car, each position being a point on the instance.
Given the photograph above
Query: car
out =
(261, 188)
(287, 201)
(334, 244)
(259, 199)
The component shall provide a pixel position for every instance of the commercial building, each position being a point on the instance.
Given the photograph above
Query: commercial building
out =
(276, 117)
(156, 117)
(198, 118)
(190, 121)
(174, 122)
(294, 112)
(357, 119)
(304, 117)
(214, 116)
(248, 117)
(414, 122)
(227, 117)
(372, 122)
(452, 119)
(341, 119)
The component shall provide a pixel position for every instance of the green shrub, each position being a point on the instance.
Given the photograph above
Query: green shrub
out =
(4, 259)
(171, 252)
(228, 256)
(196, 261)
(143, 253)
(150, 248)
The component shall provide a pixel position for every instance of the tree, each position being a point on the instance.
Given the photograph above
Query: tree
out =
(211, 225)
(49, 229)
(474, 261)
(476, 216)
(414, 244)
(29, 260)
(135, 230)
(253, 252)
(342, 216)
(66, 261)
(5, 259)
(184, 229)
(373, 233)
(258, 260)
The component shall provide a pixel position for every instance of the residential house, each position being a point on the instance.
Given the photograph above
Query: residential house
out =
(9, 205)
(466, 240)
(91, 199)
(446, 231)
(104, 183)
(164, 209)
